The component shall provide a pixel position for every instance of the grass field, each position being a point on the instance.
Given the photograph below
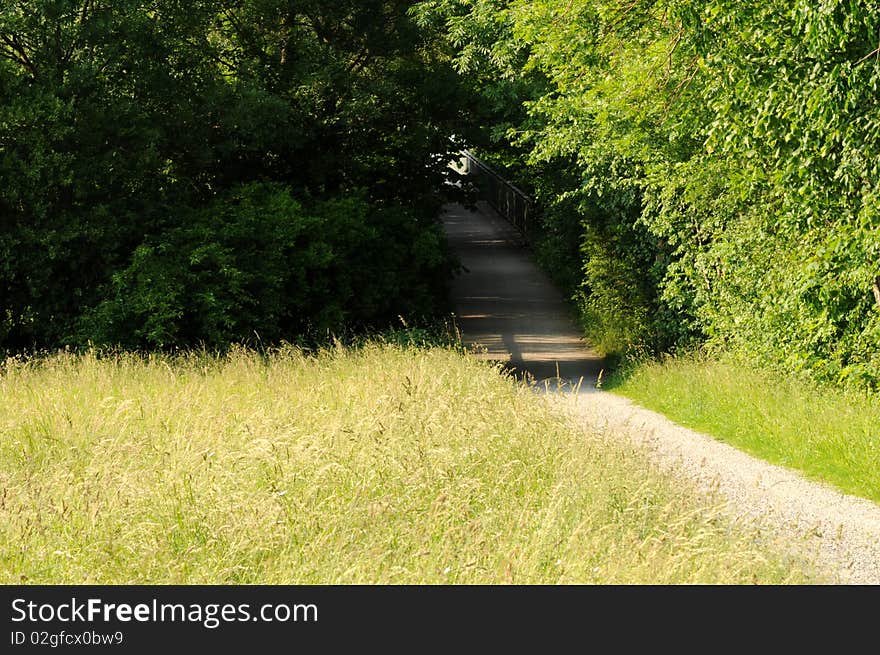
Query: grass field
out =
(828, 434)
(383, 464)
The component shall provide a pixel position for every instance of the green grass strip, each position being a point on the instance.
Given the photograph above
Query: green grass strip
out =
(828, 434)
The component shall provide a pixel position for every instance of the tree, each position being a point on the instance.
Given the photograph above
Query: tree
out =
(707, 169)
(123, 122)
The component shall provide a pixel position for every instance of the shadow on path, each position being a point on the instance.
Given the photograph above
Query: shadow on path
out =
(508, 310)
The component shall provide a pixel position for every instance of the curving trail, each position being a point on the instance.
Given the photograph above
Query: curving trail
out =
(508, 310)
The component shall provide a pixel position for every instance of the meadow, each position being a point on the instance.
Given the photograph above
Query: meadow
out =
(376, 464)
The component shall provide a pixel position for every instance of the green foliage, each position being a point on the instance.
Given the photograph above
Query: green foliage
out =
(721, 169)
(806, 236)
(130, 132)
(258, 264)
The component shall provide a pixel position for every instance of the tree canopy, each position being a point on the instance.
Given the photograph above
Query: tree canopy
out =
(178, 172)
(708, 168)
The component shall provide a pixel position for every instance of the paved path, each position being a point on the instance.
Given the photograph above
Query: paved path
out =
(507, 308)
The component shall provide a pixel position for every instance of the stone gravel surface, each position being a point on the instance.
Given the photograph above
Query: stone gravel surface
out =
(840, 533)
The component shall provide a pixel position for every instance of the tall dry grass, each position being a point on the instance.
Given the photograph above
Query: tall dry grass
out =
(381, 464)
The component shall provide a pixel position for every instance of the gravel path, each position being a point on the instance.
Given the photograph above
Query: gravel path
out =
(840, 533)
(508, 310)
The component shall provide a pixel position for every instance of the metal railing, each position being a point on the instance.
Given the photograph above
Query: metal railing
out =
(509, 201)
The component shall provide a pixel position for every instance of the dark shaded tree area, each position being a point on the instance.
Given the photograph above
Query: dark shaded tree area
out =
(178, 172)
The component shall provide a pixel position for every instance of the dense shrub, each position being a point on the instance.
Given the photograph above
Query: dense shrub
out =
(177, 172)
(258, 264)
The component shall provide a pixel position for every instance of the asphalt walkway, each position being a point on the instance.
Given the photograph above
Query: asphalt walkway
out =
(507, 309)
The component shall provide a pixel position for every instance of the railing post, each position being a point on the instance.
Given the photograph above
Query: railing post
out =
(509, 201)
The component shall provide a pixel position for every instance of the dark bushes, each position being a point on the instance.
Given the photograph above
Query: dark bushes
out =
(175, 173)
(259, 264)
